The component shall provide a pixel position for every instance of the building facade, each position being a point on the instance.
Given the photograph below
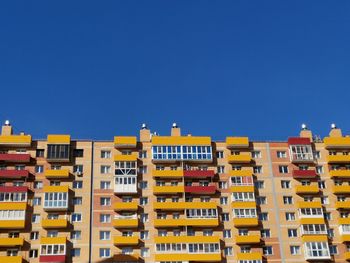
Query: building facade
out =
(174, 199)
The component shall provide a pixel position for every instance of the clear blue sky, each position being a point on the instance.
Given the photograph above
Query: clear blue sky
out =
(95, 69)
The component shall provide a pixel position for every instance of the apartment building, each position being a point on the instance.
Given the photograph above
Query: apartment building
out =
(174, 199)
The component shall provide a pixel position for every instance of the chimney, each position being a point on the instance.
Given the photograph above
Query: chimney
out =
(305, 132)
(175, 130)
(335, 131)
(145, 134)
(6, 128)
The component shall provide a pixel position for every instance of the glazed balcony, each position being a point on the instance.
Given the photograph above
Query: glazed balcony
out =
(243, 204)
(313, 204)
(64, 173)
(168, 189)
(53, 241)
(126, 257)
(242, 188)
(168, 173)
(337, 142)
(125, 240)
(54, 223)
(307, 189)
(198, 189)
(14, 174)
(52, 258)
(249, 239)
(15, 140)
(340, 158)
(186, 257)
(11, 241)
(239, 158)
(300, 174)
(245, 222)
(340, 173)
(126, 221)
(15, 157)
(125, 206)
(299, 141)
(125, 158)
(186, 239)
(312, 220)
(250, 257)
(125, 141)
(171, 222)
(237, 142)
(240, 173)
(13, 189)
(13, 259)
(178, 206)
(341, 189)
(199, 173)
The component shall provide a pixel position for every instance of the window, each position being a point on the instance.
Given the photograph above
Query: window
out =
(316, 249)
(322, 184)
(53, 249)
(35, 218)
(260, 184)
(34, 235)
(105, 218)
(105, 154)
(144, 218)
(40, 153)
(105, 252)
(143, 154)
(76, 217)
(219, 154)
(78, 153)
(143, 169)
(39, 168)
(333, 250)
(225, 217)
(221, 169)
(228, 251)
(243, 196)
(261, 200)
(38, 185)
(78, 168)
(317, 154)
(201, 213)
(181, 152)
(290, 216)
(75, 252)
(324, 200)
(33, 253)
(77, 184)
(244, 213)
(75, 235)
(281, 154)
(58, 151)
(223, 200)
(287, 200)
(319, 169)
(227, 233)
(330, 233)
(105, 201)
(285, 184)
(105, 185)
(145, 252)
(294, 250)
(78, 200)
(257, 169)
(143, 200)
(263, 216)
(256, 154)
(52, 233)
(144, 235)
(36, 201)
(283, 169)
(267, 250)
(105, 235)
(292, 232)
(222, 185)
(265, 233)
(105, 169)
(314, 229)
(56, 200)
(143, 185)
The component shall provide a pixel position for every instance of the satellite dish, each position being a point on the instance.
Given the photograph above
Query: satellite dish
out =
(7, 123)
(303, 126)
(333, 126)
(174, 125)
(144, 126)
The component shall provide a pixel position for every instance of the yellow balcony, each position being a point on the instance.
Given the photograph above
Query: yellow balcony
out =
(338, 158)
(127, 223)
(53, 240)
(56, 189)
(250, 239)
(128, 206)
(237, 142)
(313, 204)
(307, 189)
(12, 224)
(337, 142)
(13, 206)
(15, 259)
(125, 158)
(344, 221)
(125, 141)
(126, 257)
(58, 139)
(241, 222)
(347, 256)
(249, 256)
(236, 204)
(240, 158)
(339, 173)
(168, 173)
(341, 189)
(17, 140)
(205, 257)
(54, 223)
(168, 189)
(314, 238)
(181, 140)
(64, 173)
(11, 242)
(133, 240)
(243, 188)
(342, 205)
(241, 173)
(184, 205)
(311, 221)
(345, 238)
(186, 222)
(186, 239)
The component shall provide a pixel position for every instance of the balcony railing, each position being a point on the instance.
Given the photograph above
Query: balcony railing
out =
(15, 157)
(14, 174)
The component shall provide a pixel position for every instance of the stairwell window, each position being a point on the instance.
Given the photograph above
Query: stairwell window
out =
(283, 169)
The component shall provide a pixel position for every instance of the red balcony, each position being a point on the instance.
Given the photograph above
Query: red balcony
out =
(298, 141)
(304, 173)
(13, 189)
(15, 174)
(54, 258)
(197, 189)
(198, 173)
(15, 157)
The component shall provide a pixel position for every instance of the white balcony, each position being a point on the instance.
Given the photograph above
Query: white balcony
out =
(125, 184)
(316, 251)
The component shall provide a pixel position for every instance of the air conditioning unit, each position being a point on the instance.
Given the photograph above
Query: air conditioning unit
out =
(79, 173)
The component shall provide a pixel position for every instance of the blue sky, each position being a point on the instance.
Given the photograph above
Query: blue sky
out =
(95, 69)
